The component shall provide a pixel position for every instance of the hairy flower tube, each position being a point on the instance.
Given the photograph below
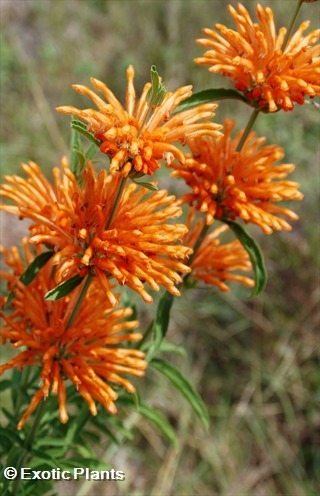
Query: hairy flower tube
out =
(134, 246)
(271, 74)
(227, 184)
(138, 136)
(216, 263)
(89, 353)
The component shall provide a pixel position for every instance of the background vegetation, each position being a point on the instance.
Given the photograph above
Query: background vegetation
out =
(253, 361)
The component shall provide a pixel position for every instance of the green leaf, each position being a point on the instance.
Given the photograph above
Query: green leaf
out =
(75, 145)
(77, 423)
(64, 288)
(208, 96)
(42, 487)
(6, 384)
(121, 428)
(161, 323)
(155, 417)
(11, 436)
(92, 150)
(104, 429)
(167, 347)
(83, 449)
(39, 456)
(185, 388)
(52, 442)
(12, 419)
(159, 421)
(149, 186)
(81, 128)
(255, 254)
(32, 270)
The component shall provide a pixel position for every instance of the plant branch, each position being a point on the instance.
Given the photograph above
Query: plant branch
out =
(293, 20)
(116, 202)
(247, 130)
(79, 302)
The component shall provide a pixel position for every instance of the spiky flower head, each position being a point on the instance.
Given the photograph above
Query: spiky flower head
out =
(134, 246)
(227, 184)
(216, 263)
(271, 74)
(136, 137)
(89, 353)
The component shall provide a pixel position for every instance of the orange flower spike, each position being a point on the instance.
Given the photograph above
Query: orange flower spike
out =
(216, 263)
(94, 343)
(270, 75)
(228, 184)
(138, 136)
(130, 250)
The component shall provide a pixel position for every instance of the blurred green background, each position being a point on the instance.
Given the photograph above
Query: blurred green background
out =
(254, 361)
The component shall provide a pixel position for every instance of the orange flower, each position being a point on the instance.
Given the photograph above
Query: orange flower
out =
(215, 263)
(137, 137)
(271, 75)
(136, 246)
(89, 353)
(227, 184)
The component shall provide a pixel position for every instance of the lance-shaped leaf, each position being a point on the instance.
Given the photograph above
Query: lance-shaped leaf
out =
(149, 186)
(32, 270)
(255, 254)
(81, 128)
(160, 324)
(159, 421)
(154, 416)
(64, 288)
(208, 96)
(75, 146)
(185, 388)
(79, 157)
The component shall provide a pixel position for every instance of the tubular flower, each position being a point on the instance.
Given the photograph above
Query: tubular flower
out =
(89, 353)
(272, 75)
(138, 136)
(215, 263)
(227, 184)
(134, 245)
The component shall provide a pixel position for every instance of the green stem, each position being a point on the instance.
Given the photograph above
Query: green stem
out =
(28, 444)
(247, 130)
(293, 20)
(79, 302)
(116, 202)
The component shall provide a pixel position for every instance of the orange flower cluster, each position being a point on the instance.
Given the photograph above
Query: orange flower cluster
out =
(134, 246)
(88, 353)
(103, 230)
(215, 263)
(227, 184)
(137, 137)
(271, 75)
